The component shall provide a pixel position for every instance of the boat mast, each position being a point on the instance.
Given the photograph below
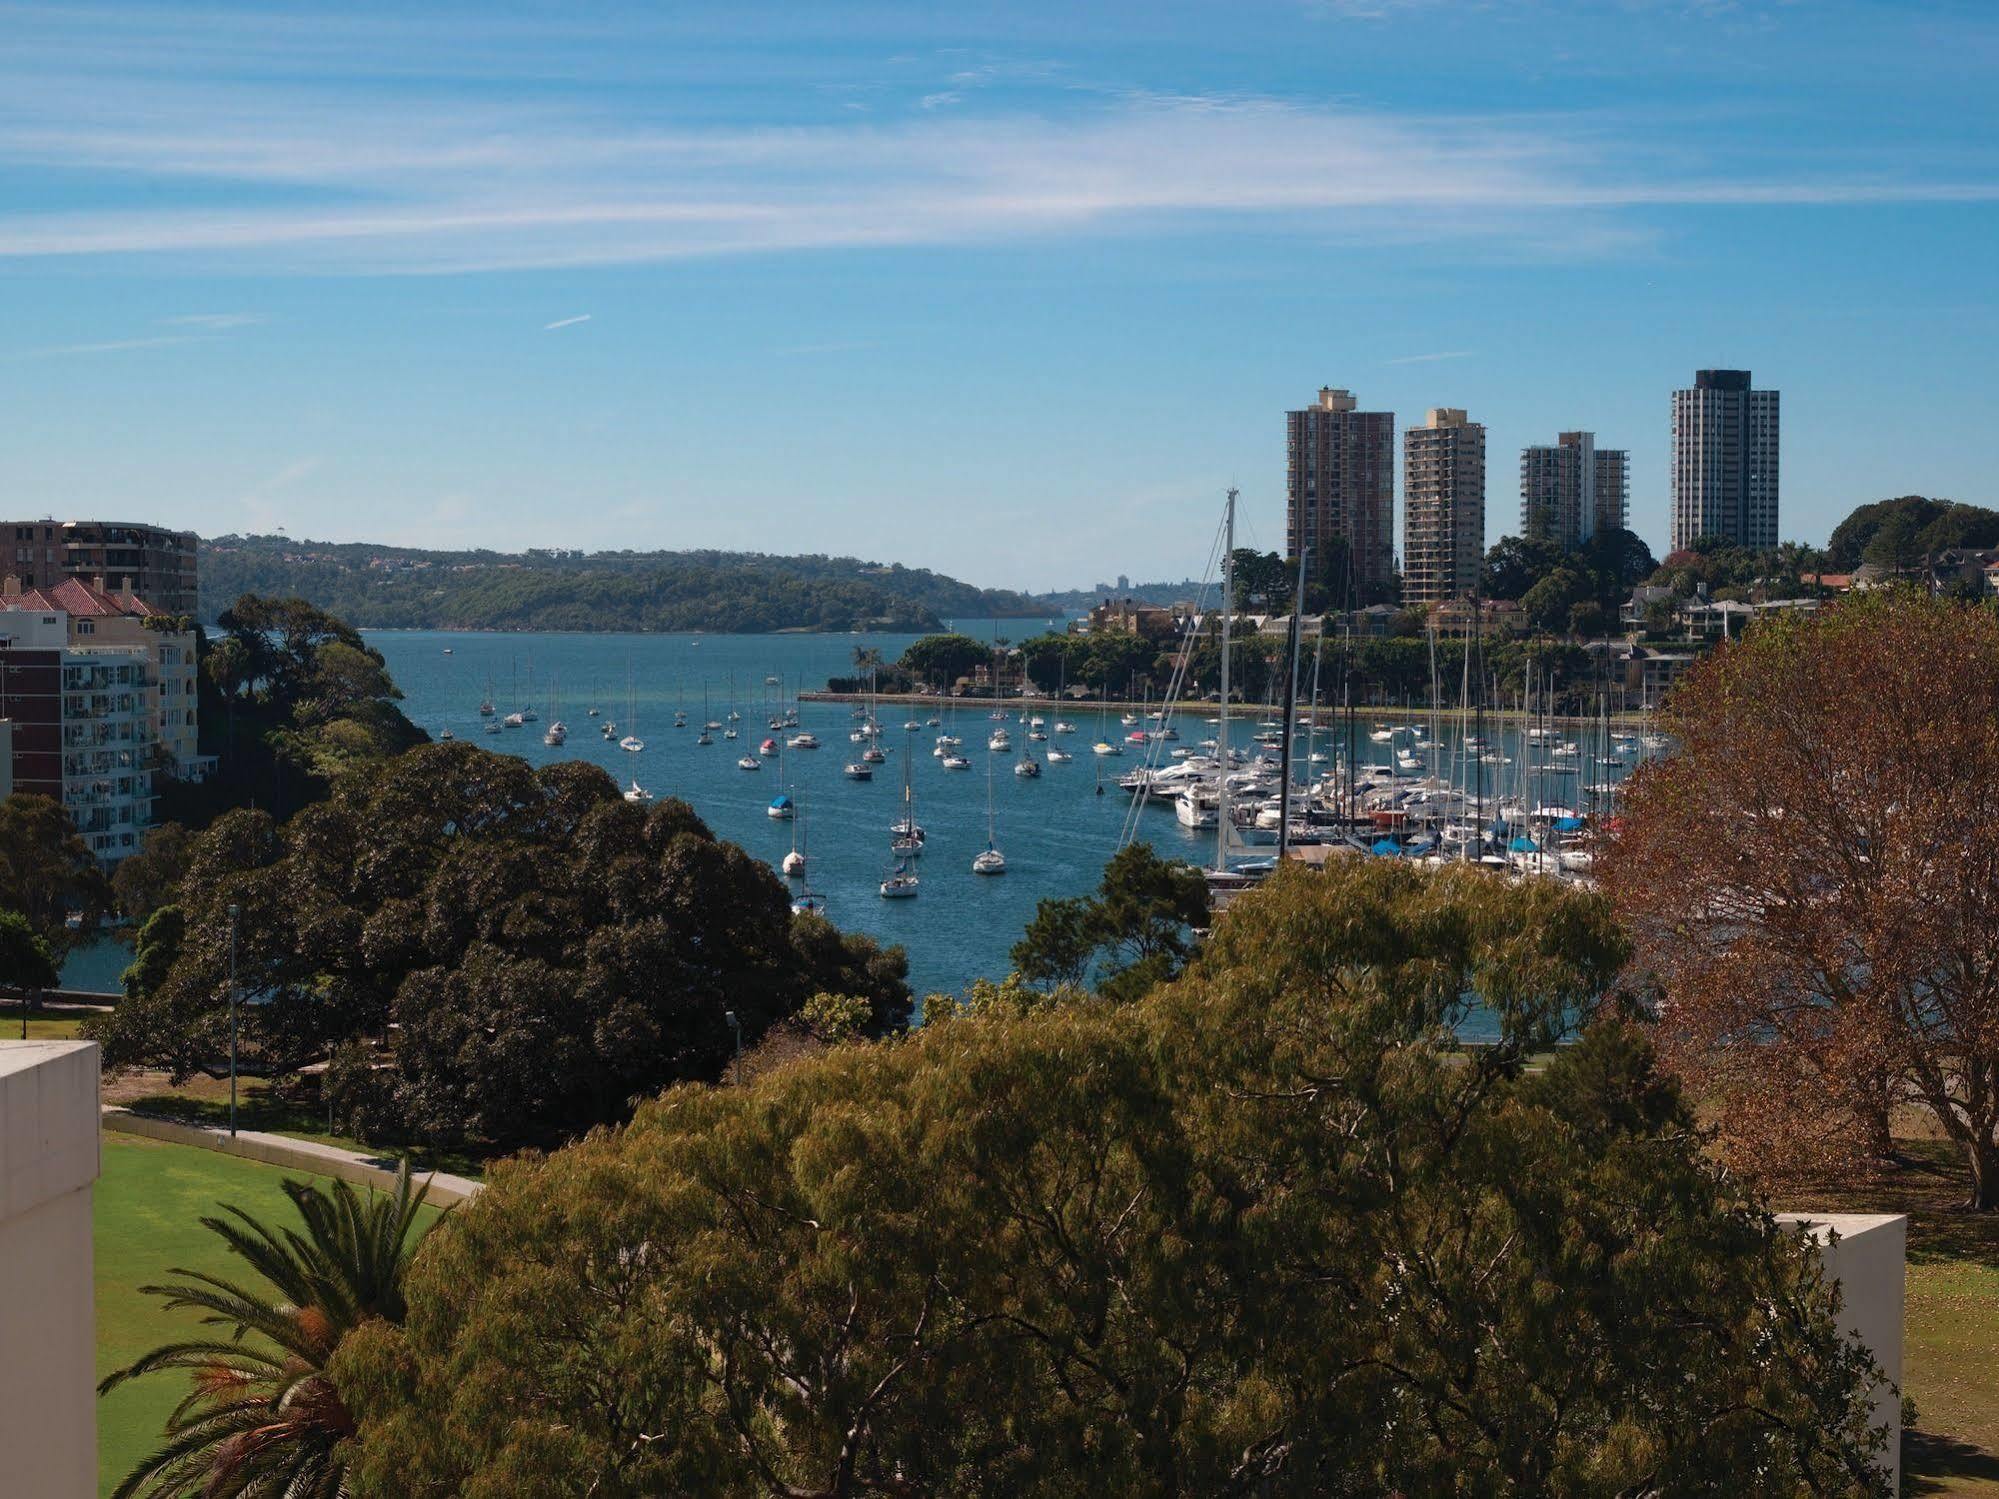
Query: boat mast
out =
(1290, 715)
(1222, 737)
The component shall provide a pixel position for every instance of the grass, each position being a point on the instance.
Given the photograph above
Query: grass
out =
(149, 1204)
(1950, 1317)
(38, 1030)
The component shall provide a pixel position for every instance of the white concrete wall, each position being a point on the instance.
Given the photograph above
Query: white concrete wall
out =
(1866, 1254)
(48, 1342)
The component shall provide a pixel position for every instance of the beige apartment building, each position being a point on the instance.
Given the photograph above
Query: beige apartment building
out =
(1443, 507)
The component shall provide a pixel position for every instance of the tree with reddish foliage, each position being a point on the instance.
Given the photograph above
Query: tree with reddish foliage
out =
(1813, 881)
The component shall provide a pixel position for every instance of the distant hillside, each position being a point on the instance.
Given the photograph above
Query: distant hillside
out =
(385, 587)
(1081, 600)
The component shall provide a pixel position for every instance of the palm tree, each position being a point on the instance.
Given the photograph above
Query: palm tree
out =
(263, 1417)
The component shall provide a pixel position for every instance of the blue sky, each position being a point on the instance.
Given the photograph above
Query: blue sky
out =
(1013, 291)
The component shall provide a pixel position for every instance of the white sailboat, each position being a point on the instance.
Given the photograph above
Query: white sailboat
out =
(631, 744)
(990, 860)
(793, 864)
(906, 832)
(558, 731)
(905, 843)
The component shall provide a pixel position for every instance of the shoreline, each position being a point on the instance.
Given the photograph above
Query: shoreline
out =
(1324, 717)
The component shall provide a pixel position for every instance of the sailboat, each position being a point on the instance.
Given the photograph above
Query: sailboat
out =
(990, 860)
(1027, 766)
(528, 715)
(906, 831)
(514, 719)
(558, 731)
(637, 793)
(631, 744)
(780, 807)
(486, 702)
(794, 862)
(704, 737)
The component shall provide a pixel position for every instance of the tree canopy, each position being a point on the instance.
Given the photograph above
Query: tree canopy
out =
(1135, 931)
(1812, 879)
(1565, 591)
(544, 950)
(1264, 1232)
(1900, 533)
(940, 660)
(290, 698)
(48, 874)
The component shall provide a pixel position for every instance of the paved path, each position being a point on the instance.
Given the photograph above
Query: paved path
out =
(371, 1168)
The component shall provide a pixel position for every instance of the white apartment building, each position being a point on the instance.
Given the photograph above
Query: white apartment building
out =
(85, 731)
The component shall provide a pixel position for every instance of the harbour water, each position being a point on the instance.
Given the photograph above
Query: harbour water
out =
(1055, 830)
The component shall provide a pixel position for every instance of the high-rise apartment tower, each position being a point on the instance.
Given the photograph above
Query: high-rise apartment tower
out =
(1340, 485)
(1443, 507)
(1724, 461)
(1573, 490)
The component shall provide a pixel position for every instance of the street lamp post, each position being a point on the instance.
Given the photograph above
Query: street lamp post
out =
(232, 1022)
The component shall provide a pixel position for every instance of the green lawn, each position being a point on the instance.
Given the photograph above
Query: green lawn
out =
(38, 1029)
(149, 1204)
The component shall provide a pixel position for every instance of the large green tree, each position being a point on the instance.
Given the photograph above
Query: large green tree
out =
(290, 698)
(25, 964)
(1134, 931)
(531, 950)
(1269, 1231)
(48, 874)
(940, 660)
(1914, 525)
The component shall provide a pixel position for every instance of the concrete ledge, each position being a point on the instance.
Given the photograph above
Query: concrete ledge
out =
(1866, 1254)
(48, 1345)
(281, 1150)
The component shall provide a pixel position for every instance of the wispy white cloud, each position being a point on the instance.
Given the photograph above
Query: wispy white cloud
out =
(109, 346)
(565, 322)
(1430, 358)
(218, 321)
(406, 179)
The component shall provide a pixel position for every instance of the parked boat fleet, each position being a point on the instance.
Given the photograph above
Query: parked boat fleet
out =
(1530, 802)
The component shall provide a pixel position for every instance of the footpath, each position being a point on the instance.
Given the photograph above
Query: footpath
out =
(366, 1168)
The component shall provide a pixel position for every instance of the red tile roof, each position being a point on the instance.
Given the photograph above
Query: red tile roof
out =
(79, 600)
